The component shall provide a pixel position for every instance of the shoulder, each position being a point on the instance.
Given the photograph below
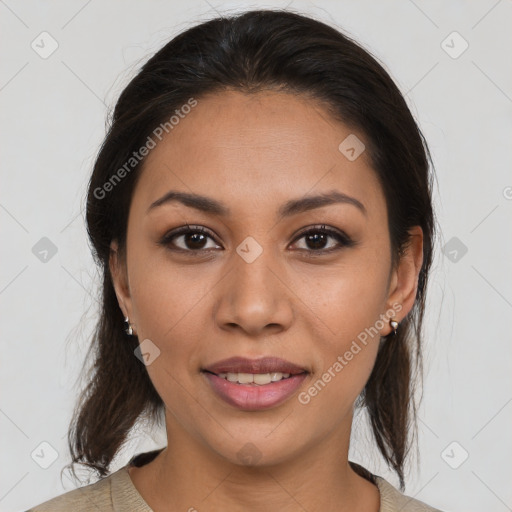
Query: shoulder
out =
(392, 499)
(93, 496)
(112, 493)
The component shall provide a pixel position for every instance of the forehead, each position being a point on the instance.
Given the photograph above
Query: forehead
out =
(258, 147)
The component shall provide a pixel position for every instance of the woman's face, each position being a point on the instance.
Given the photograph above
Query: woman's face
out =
(264, 279)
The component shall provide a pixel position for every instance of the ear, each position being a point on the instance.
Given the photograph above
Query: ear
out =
(404, 278)
(119, 275)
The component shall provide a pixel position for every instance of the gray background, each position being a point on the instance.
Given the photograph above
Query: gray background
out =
(54, 111)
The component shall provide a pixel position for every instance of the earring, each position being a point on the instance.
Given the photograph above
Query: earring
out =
(128, 329)
(394, 325)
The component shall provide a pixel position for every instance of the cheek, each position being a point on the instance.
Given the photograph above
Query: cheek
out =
(169, 304)
(346, 304)
(347, 299)
(170, 308)
(164, 294)
(346, 353)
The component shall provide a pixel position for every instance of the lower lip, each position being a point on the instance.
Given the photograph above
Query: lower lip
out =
(255, 397)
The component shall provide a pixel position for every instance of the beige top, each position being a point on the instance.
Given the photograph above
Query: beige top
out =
(116, 492)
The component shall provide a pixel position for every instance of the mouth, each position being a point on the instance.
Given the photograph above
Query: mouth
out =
(254, 384)
(255, 379)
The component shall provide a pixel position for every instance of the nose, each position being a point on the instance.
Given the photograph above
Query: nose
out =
(254, 297)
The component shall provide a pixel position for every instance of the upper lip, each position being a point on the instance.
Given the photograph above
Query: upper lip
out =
(262, 365)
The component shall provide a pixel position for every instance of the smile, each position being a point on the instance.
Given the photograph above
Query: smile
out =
(258, 379)
(254, 384)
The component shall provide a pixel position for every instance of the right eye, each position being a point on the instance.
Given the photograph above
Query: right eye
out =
(188, 239)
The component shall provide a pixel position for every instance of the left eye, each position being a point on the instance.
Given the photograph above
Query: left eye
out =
(316, 238)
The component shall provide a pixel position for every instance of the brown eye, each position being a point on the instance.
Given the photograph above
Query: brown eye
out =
(317, 239)
(188, 239)
(195, 239)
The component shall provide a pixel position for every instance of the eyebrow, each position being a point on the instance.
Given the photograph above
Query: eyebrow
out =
(292, 207)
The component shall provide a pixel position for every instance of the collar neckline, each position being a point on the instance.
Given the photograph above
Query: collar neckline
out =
(133, 497)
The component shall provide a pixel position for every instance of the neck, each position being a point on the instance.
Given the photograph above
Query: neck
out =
(188, 476)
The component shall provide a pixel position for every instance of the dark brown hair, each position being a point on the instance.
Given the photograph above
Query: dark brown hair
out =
(249, 52)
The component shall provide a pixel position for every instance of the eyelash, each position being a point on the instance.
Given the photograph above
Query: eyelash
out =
(343, 239)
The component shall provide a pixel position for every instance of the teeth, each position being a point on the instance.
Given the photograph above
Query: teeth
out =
(262, 378)
(245, 378)
(256, 378)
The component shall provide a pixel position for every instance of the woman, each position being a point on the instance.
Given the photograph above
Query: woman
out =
(261, 212)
